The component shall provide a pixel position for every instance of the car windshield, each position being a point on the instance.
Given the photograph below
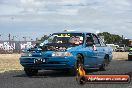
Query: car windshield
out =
(73, 38)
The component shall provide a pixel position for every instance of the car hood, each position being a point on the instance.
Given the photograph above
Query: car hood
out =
(47, 50)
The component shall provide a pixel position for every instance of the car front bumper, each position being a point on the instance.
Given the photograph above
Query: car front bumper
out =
(51, 63)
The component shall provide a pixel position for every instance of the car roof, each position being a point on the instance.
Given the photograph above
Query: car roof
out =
(74, 32)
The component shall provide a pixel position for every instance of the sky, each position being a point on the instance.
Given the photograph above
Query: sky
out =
(34, 18)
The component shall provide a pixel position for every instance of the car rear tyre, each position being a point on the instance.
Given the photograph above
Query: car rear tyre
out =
(30, 72)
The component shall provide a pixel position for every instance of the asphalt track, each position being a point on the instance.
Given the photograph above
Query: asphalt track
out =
(55, 79)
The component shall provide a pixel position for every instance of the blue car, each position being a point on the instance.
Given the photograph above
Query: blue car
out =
(65, 51)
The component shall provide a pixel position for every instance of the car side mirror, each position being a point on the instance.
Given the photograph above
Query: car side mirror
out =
(94, 48)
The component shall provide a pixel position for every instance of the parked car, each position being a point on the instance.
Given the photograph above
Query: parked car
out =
(122, 48)
(113, 46)
(130, 54)
(65, 51)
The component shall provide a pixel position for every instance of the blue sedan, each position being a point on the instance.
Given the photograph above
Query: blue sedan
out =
(65, 51)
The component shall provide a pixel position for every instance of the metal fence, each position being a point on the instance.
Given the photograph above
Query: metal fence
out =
(7, 47)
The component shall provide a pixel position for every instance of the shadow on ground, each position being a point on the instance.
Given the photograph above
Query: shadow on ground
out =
(52, 73)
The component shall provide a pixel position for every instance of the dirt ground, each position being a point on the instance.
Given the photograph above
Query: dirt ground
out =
(11, 61)
(120, 55)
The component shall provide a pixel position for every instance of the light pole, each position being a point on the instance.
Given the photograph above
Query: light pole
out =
(17, 44)
(25, 38)
(0, 38)
(9, 39)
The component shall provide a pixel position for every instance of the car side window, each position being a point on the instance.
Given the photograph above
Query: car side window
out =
(89, 40)
(101, 42)
(96, 40)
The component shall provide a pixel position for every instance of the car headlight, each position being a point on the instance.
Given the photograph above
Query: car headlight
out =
(61, 54)
(26, 54)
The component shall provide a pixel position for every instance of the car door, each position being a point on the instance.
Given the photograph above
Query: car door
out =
(100, 49)
(91, 54)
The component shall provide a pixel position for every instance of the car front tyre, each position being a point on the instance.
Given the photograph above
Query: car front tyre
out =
(129, 57)
(30, 72)
(79, 61)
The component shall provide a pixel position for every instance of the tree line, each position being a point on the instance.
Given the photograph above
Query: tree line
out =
(111, 38)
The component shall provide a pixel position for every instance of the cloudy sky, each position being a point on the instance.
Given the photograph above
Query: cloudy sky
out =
(33, 18)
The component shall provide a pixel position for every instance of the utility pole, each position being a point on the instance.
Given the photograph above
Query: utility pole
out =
(13, 38)
(9, 39)
(25, 38)
(0, 38)
(122, 39)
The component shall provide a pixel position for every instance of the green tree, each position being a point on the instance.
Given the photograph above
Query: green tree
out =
(111, 38)
(44, 37)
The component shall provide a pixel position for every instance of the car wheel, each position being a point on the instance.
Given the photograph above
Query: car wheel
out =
(79, 61)
(104, 64)
(129, 57)
(72, 71)
(30, 72)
